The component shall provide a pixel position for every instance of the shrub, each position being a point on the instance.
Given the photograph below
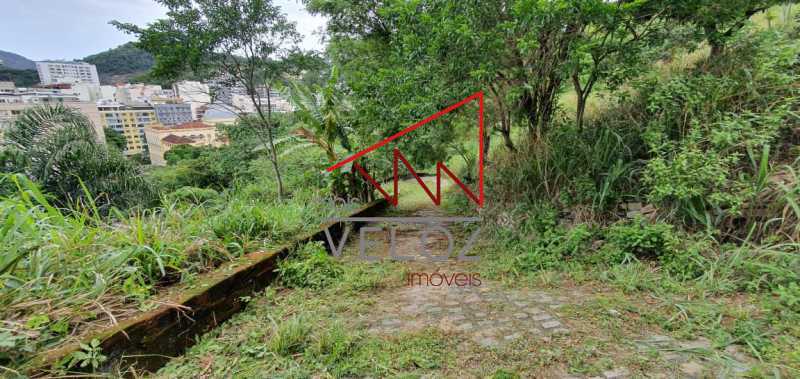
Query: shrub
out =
(687, 261)
(554, 247)
(702, 125)
(56, 146)
(193, 195)
(290, 337)
(642, 239)
(310, 267)
(244, 221)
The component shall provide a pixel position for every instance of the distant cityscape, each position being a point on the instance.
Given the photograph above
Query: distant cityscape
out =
(151, 119)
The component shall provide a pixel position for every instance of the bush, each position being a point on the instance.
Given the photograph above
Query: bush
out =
(643, 239)
(193, 195)
(688, 261)
(704, 124)
(56, 146)
(554, 247)
(310, 267)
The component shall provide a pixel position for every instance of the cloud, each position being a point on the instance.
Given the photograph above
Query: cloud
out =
(58, 29)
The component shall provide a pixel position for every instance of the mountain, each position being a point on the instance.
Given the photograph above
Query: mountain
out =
(15, 61)
(121, 63)
(21, 78)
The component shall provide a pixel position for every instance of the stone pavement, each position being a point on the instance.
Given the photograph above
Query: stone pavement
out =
(493, 316)
(489, 315)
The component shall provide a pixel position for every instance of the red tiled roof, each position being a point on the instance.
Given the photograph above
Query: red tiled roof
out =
(186, 125)
(177, 140)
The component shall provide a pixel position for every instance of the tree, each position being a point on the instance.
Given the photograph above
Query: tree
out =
(243, 43)
(609, 47)
(320, 114)
(57, 147)
(717, 20)
(114, 139)
(432, 53)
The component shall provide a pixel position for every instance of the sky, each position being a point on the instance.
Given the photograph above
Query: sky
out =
(73, 29)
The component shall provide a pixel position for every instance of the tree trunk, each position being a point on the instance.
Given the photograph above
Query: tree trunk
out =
(506, 133)
(538, 103)
(274, 154)
(580, 111)
(715, 40)
(487, 139)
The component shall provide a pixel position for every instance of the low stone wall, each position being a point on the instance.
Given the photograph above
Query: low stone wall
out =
(148, 341)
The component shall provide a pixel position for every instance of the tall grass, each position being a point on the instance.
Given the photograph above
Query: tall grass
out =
(65, 271)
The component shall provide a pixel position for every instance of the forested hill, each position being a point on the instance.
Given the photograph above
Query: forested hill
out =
(18, 69)
(15, 61)
(121, 63)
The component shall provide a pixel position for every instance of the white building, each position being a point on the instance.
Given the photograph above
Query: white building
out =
(138, 93)
(53, 72)
(108, 92)
(7, 88)
(197, 94)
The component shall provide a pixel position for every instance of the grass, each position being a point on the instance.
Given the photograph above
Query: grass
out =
(67, 272)
(302, 332)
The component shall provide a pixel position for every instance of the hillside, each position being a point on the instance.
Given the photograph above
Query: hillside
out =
(15, 61)
(21, 78)
(121, 63)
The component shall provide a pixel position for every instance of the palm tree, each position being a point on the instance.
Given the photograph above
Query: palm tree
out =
(58, 148)
(320, 112)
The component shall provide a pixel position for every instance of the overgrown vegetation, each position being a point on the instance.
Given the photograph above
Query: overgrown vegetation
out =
(644, 147)
(683, 188)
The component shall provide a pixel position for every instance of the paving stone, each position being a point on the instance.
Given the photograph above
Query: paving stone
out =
(673, 357)
(521, 304)
(698, 344)
(520, 315)
(551, 324)
(542, 317)
(560, 331)
(736, 352)
(457, 310)
(487, 342)
(456, 318)
(512, 337)
(534, 310)
(619, 373)
(692, 370)
(464, 327)
(472, 298)
(391, 322)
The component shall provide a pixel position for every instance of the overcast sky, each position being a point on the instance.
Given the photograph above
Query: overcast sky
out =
(73, 29)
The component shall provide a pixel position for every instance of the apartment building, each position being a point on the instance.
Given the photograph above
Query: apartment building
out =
(10, 110)
(7, 88)
(161, 139)
(130, 121)
(138, 93)
(173, 113)
(52, 72)
(237, 99)
(196, 94)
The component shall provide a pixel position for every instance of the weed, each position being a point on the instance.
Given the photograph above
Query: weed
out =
(311, 267)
